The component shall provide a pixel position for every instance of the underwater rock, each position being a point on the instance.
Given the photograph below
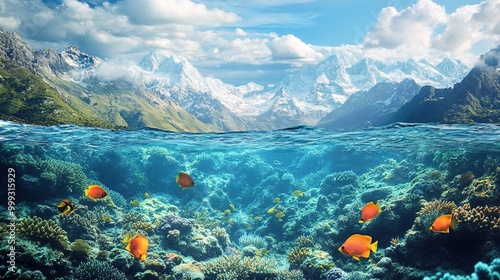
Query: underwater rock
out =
(252, 240)
(192, 270)
(171, 222)
(337, 274)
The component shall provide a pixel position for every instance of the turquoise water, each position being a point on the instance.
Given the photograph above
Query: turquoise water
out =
(243, 180)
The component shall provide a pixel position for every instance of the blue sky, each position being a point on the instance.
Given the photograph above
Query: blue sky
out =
(240, 41)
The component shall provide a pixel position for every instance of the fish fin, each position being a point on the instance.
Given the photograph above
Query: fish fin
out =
(453, 224)
(177, 178)
(373, 246)
(366, 238)
(356, 258)
(142, 257)
(378, 206)
(127, 239)
(361, 221)
(87, 192)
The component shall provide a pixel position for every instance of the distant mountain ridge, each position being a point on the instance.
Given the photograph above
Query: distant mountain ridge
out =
(475, 99)
(167, 92)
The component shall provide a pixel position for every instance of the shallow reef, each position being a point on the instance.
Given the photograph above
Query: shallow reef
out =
(251, 214)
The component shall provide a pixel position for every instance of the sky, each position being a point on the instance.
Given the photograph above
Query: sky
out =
(241, 41)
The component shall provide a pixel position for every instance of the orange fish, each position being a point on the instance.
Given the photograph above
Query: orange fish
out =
(442, 224)
(137, 246)
(185, 181)
(358, 245)
(95, 192)
(369, 211)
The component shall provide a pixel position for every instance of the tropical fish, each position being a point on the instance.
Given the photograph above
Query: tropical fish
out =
(184, 180)
(135, 203)
(227, 211)
(442, 224)
(95, 192)
(358, 245)
(369, 212)
(66, 207)
(137, 246)
(297, 193)
(277, 200)
(107, 219)
(232, 206)
(280, 214)
(256, 218)
(146, 195)
(271, 211)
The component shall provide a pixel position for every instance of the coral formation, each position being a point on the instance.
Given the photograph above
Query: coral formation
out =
(45, 230)
(479, 217)
(237, 267)
(98, 270)
(482, 271)
(252, 240)
(337, 274)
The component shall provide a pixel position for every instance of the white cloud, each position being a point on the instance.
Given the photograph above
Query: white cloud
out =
(241, 32)
(10, 22)
(469, 25)
(153, 12)
(411, 26)
(289, 47)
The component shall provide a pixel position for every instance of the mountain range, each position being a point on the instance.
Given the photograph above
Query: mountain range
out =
(167, 92)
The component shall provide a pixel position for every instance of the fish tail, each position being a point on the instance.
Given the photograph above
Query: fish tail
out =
(373, 246)
(454, 222)
(87, 192)
(177, 179)
(127, 238)
(378, 206)
(361, 221)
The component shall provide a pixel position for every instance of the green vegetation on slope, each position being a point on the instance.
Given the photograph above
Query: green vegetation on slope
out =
(27, 98)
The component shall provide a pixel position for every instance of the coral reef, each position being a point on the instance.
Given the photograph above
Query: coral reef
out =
(252, 240)
(98, 270)
(482, 271)
(237, 267)
(479, 217)
(44, 230)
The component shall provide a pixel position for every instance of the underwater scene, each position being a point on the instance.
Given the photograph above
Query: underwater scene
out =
(397, 202)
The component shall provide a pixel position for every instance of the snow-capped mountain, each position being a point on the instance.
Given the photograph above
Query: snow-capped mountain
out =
(320, 89)
(303, 97)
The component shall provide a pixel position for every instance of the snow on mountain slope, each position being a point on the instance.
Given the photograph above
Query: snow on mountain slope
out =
(303, 97)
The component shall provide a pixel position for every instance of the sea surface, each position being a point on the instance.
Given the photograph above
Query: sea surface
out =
(277, 203)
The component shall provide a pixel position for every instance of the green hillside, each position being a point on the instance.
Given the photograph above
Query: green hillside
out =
(26, 97)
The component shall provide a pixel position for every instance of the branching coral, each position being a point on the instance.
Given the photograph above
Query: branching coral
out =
(297, 256)
(431, 210)
(132, 218)
(481, 190)
(480, 217)
(79, 226)
(143, 227)
(304, 241)
(236, 267)
(98, 270)
(39, 229)
(222, 236)
(439, 206)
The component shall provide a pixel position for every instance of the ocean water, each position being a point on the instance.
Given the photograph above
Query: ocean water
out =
(273, 204)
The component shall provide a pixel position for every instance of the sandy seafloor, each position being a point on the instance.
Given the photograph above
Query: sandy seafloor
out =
(266, 205)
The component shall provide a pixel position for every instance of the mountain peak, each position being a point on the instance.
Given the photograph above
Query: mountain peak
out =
(76, 58)
(156, 61)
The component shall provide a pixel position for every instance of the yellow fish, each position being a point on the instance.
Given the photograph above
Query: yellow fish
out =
(227, 211)
(146, 195)
(277, 200)
(232, 207)
(270, 211)
(134, 203)
(298, 193)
